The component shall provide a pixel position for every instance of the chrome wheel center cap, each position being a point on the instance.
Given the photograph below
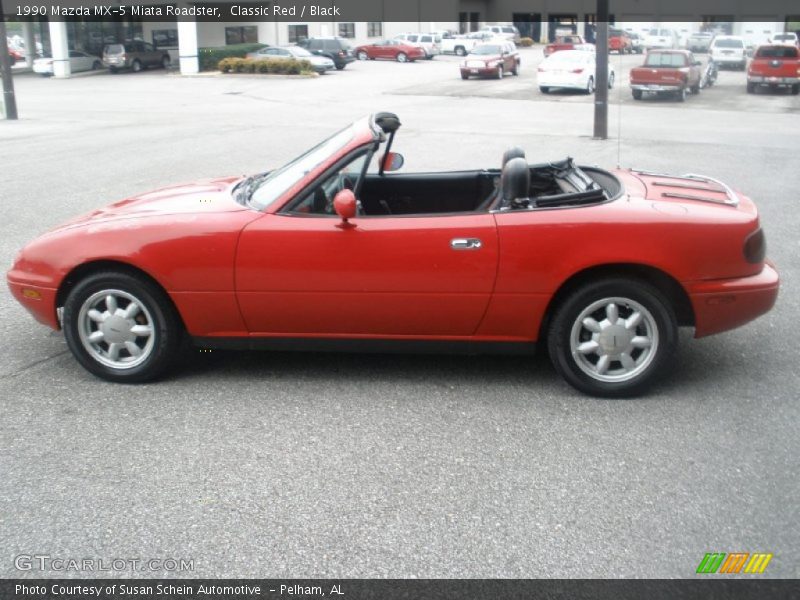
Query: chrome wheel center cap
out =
(117, 330)
(615, 339)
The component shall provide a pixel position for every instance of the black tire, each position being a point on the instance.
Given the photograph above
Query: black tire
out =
(339, 67)
(401, 57)
(681, 94)
(589, 86)
(156, 309)
(136, 66)
(460, 51)
(751, 88)
(362, 55)
(657, 324)
(544, 89)
(500, 72)
(165, 62)
(611, 81)
(637, 94)
(464, 75)
(696, 88)
(113, 70)
(96, 65)
(795, 89)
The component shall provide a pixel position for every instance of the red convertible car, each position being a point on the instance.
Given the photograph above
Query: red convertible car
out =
(391, 50)
(335, 250)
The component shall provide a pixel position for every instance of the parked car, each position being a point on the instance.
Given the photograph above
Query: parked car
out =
(78, 61)
(699, 42)
(729, 50)
(674, 72)
(571, 69)
(786, 39)
(391, 50)
(491, 59)
(508, 32)
(619, 42)
(484, 264)
(320, 64)
(636, 42)
(429, 42)
(459, 45)
(15, 55)
(564, 42)
(775, 66)
(134, 56)
(339, 50)
(660, 38)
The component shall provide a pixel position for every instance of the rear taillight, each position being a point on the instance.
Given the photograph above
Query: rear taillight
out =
(576, 71)
(755, 247)
(341, 53)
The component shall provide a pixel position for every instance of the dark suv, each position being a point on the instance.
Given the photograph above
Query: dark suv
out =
(337, 49)
(134, 56)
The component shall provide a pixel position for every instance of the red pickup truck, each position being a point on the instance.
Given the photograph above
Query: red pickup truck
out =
(776, 66)
(619, 42)
(564, 42)
(667, 71)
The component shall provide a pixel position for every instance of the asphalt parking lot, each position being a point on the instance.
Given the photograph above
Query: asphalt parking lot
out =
(289, 465)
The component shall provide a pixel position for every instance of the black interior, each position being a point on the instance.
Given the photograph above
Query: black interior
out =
(420, 193)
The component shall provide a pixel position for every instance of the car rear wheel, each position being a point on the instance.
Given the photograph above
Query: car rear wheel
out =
(464, 75)
(136, 66)
(637, 94)
(610, 80)
(402, 57)
(544, 89)
(613, 337)
(590, 85)
(165, 62)
(515, 69)
(362, 55)
(499, 73)
(121, 327)
(460, 51)
(96, 65)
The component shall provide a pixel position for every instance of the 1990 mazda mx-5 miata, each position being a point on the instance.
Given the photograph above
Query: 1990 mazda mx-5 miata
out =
(337, 251)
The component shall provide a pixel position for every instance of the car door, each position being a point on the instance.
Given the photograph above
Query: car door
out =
(425, 275)
(151, 56)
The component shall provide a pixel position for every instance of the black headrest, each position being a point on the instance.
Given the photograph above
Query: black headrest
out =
(515, 152)
(515, 180)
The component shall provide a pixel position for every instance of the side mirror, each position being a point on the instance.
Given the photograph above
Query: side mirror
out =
(344, 203)
(392, 161)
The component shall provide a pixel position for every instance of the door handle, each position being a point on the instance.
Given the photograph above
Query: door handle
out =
(465, 244)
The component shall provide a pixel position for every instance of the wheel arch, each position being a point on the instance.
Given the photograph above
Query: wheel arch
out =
(669, 286)
(86, 269)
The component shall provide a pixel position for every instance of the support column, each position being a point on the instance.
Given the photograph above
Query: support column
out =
(58, 44)
(30, 42)
(545, 33)
(187, 47)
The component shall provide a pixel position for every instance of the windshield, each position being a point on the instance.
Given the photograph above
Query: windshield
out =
(297, 51)
(486, 50)
(784, 37)
(662, 59)
(777, 52)
(729, 44)
(279, 181)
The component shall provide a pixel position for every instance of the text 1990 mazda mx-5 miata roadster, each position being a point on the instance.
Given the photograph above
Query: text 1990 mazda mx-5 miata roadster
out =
(328, 253)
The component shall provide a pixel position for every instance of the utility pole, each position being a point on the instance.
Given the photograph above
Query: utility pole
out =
(9, 101)
(601, 72)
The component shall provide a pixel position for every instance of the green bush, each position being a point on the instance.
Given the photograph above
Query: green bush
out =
(526, 42)
(282, 66)
(209, 57)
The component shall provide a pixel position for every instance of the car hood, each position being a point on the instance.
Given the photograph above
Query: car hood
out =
(210, 196)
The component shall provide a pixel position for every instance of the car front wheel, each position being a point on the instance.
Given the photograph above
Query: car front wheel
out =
(362, 55)
(136, 66)
(613, 337)
(402, 57)
(590, 85)
(121, 327)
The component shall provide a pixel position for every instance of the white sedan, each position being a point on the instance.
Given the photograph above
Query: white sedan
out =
(78, 61)
(573, 69)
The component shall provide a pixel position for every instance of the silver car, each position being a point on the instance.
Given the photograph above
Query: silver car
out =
(78, 61)
(320, 64)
